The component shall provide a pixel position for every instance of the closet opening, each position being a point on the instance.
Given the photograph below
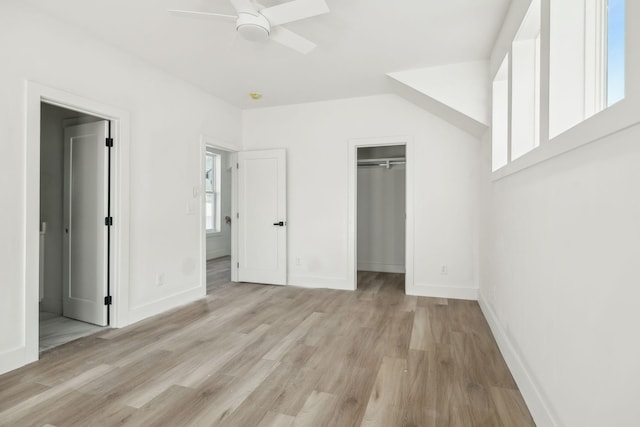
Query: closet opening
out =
(381, 216)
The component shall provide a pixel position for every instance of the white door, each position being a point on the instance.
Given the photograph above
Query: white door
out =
(85, 234)
(262, 221)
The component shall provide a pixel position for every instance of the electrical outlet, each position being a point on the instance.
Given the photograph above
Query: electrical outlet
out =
(160, 279)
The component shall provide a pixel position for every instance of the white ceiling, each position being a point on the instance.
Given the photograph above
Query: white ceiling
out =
(359, 41)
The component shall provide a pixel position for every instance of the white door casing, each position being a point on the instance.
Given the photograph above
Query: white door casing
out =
(352, 236)
(262, 219)
(85, 233)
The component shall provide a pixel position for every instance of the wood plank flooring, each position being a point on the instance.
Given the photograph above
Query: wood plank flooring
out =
(257, 355)
(218, 273)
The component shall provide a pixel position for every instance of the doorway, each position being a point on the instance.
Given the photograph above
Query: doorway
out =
(253, 212)
(381, 201)
(74, 237)
(118, 268)
(380, 226)
(218, 217)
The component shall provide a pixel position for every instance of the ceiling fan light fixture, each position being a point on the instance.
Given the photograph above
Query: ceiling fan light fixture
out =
(253, 33)
(253, 28)
(257, 23)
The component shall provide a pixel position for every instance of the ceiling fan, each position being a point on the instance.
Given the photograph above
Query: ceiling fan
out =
(258, 23)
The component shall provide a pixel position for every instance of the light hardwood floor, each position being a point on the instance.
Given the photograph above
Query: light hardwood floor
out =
(218, 273)
(255, 355)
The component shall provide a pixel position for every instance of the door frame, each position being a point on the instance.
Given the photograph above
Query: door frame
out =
(120, 178)
(218, 144)
(352, 216)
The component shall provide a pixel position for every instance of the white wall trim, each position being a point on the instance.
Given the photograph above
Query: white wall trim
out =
(120, 130)
(352, 201)
(163, 304)
(444, 291)
(586, 132)
(13, 359)
(539, 406)
(379, 267)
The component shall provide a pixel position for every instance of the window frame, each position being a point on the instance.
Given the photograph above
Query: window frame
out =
(501, 116)
(524, 92)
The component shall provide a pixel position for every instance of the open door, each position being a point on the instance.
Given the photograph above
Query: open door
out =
(262, 217)
(85, 232)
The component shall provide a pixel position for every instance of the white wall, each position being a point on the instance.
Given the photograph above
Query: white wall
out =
(167, 118)
(563, 278)
(219, 244)
(559, 282)
(381, 219)
(316, 137)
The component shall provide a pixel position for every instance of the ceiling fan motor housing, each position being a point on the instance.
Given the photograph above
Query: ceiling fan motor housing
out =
(252, 27)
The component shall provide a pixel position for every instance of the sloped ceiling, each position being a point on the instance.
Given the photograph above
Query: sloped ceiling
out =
(359, 42)
(457, 93)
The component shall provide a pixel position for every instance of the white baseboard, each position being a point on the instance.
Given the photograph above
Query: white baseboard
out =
(444, 291)
(539, 406)
(161, 305)
(382, 268)
(14, 359)
(316, 282)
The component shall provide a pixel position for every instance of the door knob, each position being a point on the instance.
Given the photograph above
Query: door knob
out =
(279, 224)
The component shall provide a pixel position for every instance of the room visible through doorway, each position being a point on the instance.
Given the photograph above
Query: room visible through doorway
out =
(218, 216)
(74, 235)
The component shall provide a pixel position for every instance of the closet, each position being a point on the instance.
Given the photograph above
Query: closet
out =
(381, 215)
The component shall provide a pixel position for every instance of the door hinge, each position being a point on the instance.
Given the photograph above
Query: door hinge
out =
(237, 165)
(108, 221)
(238, 215)
(238, 264)
(108, 300)
(109, 142)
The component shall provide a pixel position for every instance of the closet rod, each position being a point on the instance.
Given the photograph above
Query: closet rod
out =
(387, 163)
(381, 160)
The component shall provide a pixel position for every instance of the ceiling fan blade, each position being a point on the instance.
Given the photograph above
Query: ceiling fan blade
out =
(294, 11)
(291, 40)
(203, 14)
(244, 6)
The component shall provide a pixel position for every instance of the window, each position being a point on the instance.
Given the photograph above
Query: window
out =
(212, 192)
(516, 94)
(587, 60)
(500, 117)
(525, 84)
(570, 80)
(615, 51)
